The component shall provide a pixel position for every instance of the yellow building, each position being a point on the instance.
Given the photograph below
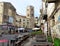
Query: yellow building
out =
(22, 21)
(30, 15)
(7, 12)
(26, 21)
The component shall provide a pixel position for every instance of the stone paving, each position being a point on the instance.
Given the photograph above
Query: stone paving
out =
(32, 41)
(28, 42)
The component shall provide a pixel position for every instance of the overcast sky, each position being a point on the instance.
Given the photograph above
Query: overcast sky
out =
(21, 5)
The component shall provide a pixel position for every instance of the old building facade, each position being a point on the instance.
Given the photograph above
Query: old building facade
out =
(53, 12)
(26, 21)
(7, 15)
(30, 15)
(22, 21)
(7, 12)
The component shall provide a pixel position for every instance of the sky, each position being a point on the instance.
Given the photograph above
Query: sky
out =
(21, 6)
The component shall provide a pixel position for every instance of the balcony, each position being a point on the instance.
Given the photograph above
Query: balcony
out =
(50, 1)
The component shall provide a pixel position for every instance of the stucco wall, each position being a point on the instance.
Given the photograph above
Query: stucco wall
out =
(50, 9)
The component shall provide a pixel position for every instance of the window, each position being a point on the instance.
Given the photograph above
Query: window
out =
(23, 25)
(23, 19)
(28, 14)
(5, 16)
(32, 9)
(27, 22)
(14, 9)
(32, 14)
(20, 20)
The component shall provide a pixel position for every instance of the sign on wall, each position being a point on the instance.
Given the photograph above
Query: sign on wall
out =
(10, 19)
(59, 19)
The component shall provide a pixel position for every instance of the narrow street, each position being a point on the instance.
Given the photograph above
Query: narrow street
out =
(28, 41)
(29, 22)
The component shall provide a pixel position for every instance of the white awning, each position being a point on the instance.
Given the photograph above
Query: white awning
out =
(35, 28)
(21, 29)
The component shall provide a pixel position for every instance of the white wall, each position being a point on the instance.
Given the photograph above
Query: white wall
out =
(43, 6)
(57, 16)
(50, 9)
(57, 24)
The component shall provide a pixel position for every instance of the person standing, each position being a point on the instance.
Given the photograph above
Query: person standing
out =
(42, 27)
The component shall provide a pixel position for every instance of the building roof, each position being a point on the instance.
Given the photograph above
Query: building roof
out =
(9, 4)
(30, 6)
(21, 16)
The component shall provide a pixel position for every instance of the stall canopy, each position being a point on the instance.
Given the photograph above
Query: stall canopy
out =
(21, 29)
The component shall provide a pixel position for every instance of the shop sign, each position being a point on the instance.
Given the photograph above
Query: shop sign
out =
(59, 19)
(10, 19)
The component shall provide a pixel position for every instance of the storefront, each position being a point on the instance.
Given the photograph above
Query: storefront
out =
(3, 29)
